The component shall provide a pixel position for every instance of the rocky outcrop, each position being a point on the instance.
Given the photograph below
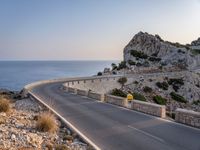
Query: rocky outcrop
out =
(196, 42)
(148, 50)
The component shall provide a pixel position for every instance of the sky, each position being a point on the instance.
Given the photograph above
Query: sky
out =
(90, 29)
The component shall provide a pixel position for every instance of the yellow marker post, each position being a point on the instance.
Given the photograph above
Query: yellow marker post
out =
(129, 97)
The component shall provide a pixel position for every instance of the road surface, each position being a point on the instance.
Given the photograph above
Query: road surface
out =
(115, 128)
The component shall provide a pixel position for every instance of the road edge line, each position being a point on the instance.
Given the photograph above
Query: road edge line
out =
(67, 122)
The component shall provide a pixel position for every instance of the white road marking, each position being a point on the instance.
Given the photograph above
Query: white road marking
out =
(148, 134)
(67, 122)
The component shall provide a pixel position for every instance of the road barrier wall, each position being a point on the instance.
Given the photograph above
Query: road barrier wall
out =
(149, 108)
(96, 96)
(72, 90)
(188, 117)
(82, 92)
(98, 85)
(120, 101)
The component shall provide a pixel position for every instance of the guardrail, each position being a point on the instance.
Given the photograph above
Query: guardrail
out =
(188, 117)
(120, 101)
(149, 108)
(96, 96)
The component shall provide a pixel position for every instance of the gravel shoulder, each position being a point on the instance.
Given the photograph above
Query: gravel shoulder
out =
(18, 128)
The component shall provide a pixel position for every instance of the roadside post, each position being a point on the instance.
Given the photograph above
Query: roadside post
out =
(129, 100)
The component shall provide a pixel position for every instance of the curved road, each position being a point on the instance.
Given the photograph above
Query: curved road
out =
(114, 128)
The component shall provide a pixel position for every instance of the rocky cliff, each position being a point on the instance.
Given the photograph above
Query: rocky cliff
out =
(148, 50)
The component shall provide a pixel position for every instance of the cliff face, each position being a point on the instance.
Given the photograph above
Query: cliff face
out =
(148, 50)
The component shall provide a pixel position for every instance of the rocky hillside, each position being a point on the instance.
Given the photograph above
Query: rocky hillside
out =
(146, 50)
(19, 131)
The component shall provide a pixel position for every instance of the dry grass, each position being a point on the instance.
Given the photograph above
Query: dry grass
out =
(4, 105)
(47, 123)
(61, 147)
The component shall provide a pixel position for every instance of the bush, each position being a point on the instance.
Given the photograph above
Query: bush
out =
(162, 85)
(118, 92)
(122, 80)
(136, 82)
(154, 59)
(196, 102)
(99, 74)
(176, 83)
(147, 89)
(179, 81)
(4, 105)
(138, 54)
(132, 63)
(139, 96)
(46, 123)
(178, 97)
(122, 65)
(159, 100)
(114, 66)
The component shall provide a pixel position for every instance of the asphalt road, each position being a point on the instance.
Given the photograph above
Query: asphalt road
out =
(114, 128)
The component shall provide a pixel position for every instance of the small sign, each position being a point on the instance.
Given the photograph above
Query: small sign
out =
(129, 97)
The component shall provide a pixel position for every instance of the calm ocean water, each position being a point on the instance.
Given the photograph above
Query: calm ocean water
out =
(15, 74)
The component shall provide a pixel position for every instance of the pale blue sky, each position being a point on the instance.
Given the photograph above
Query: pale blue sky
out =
(90, 29)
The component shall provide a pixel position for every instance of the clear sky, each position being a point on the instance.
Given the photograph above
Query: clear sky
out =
(90, 29)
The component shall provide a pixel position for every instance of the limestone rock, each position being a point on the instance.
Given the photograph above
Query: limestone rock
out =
(160, 52)
(196, 42)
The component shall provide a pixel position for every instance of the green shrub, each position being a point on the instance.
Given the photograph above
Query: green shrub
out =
(197, 102)
(122, 65)
(195, 51)
(122, 80)
(159, 100)
(147, 89)
(99, 74)
(178, 97)
(132, 63)
(136, 82)
(118, 92)
(114, 66)
(154, 59)
(139, 96)
(162, 85)
(138, 54)
(176, 83)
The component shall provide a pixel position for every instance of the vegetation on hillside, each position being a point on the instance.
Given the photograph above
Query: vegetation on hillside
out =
(139, 96)
(178, 97)
(138, 54)
(122, 81)
(162, 85)
(159, 100)
(118, 92)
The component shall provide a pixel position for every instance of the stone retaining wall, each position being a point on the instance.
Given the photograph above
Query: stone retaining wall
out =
(98, 85)
(149, 108)
(96, 96)
(188, 117)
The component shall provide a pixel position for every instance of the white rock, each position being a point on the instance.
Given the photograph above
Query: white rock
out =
(13, 137)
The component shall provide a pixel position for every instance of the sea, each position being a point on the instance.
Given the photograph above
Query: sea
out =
(14, 75)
